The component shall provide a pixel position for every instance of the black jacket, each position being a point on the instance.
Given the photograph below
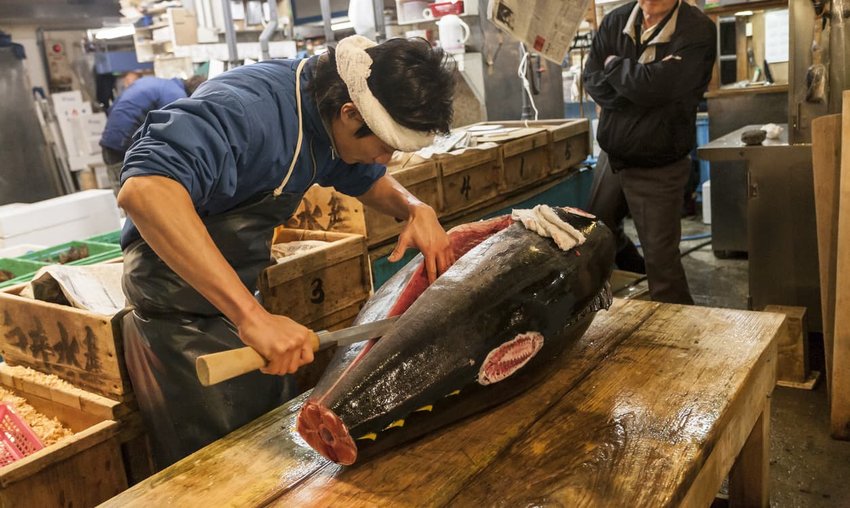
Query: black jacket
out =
(649, 110)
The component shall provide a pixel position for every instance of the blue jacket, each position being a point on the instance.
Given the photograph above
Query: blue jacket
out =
(234, 139)
(129, 111)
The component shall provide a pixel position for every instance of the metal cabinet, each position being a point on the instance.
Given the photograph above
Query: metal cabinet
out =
(729, 110)
(782, 230)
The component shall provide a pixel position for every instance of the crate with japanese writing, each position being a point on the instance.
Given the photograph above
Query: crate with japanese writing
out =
(469, 177)
(81, 347)
(417, 175)
(61, 445)
(569, 141)
(318, 274)
(325, 209)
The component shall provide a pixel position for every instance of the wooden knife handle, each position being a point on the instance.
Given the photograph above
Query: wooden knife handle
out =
(217, 367)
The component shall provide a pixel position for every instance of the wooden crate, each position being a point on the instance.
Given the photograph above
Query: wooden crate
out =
(316, 285)
(83, 470)
(81, 347)
(792, 366)
(525, 159)
(568, 141)
(524, 153)
(135, 448)
(421, 178)
(325, 209)
(469, 178)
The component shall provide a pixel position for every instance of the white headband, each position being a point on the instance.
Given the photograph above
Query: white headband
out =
(354, 65)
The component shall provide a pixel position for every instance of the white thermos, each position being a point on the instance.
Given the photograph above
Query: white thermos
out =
(453, 34)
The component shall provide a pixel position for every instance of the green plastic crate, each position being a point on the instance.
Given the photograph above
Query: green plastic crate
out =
(98, 253)
(113, 237)
(22, 269)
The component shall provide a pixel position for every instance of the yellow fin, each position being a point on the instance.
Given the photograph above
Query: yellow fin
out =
(397, 423)
(425, 408)
(370, 435)
(456, 392)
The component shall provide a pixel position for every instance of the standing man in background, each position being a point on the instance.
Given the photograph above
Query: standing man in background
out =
(141, 95)
(649, 65)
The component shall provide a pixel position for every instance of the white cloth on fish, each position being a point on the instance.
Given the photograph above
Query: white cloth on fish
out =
(354, 65)
(543, 220)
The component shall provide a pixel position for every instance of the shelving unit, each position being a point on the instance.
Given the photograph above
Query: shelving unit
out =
(470, 8)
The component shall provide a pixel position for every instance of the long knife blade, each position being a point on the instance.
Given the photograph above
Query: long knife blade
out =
(354, 334)
(217, 367)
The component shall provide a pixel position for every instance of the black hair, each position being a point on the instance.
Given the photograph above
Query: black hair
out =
(412, 80)
(193, 83)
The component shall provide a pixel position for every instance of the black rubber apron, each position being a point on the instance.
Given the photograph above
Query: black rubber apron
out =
(172, 324)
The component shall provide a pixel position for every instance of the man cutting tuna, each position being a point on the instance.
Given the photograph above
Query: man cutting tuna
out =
(208, 178)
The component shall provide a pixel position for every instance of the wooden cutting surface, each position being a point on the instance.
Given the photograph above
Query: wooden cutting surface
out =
(826, 173)
(650, 408)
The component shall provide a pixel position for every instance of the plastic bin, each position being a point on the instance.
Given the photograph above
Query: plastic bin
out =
(702, 139)
(98, 253)
(113, 237)
(22, 269)
(18, 439)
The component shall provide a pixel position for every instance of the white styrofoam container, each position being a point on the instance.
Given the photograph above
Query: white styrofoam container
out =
(59, 220)
(706, 202)
(65, 100)
(87, 131)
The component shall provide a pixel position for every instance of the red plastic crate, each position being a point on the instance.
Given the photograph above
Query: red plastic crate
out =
(17, 438)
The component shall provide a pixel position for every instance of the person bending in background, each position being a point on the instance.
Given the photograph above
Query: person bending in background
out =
(206, 182)
(649, 65)
(141, 95)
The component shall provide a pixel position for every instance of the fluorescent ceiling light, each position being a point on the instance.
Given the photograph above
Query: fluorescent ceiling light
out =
(744, 13)
(343, 25)
(114, 32)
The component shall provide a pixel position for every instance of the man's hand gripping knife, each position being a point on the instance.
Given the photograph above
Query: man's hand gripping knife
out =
(178, 236)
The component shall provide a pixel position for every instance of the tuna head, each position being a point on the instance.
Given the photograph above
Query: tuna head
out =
(485, 331)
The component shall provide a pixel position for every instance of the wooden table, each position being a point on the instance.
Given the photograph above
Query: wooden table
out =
(652, 407)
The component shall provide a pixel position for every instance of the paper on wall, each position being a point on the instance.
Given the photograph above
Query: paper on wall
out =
(546, 26)
(776, 36)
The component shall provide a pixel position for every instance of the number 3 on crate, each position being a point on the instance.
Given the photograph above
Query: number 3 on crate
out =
(317, 295)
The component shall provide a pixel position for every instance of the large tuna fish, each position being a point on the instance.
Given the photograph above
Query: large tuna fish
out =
(482, 333)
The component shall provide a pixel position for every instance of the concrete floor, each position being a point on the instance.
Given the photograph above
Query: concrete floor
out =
(807, 467)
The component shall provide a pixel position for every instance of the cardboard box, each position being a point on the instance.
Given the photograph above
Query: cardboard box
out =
(184, 27)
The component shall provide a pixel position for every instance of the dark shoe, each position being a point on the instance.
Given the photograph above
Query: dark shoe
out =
(630, 260)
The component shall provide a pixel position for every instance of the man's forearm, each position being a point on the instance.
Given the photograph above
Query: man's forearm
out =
(391, 198)
(164, 214)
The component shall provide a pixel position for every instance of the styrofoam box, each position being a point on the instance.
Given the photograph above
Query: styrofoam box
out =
(65, 100)
(59, 220)
(91, 124)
